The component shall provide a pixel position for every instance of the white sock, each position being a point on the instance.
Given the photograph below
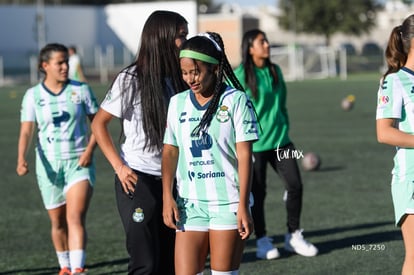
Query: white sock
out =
(200, 273)
(77, 259)
(63, 258)
(234, 272)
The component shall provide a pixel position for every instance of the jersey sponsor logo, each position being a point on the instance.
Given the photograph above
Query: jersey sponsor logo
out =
(223, 114)
(41, 102)
(383, 100)
(254, 122)
(207, 175)
(52, 139)
(198, 145)
(384, 85)
(210, 174)
(191, 175)
(182, 117)
(59, 117)
(201, 162)
(252, 130)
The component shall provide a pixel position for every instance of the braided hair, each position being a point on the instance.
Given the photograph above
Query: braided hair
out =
(211, 45)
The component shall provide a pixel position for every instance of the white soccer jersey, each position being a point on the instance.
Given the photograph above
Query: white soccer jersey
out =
(207, 164)
(396, 100)
(61, 118)
(74, 62)
(132, 150)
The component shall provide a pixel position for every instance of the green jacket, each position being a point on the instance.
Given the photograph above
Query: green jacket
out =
(270, 106)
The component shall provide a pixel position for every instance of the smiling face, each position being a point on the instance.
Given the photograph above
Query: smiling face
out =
(56, 68)
(199, 76)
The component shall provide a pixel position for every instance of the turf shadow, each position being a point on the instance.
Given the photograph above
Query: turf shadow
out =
(324, 247)
(53, 270)
(32, 271)
(361, 242)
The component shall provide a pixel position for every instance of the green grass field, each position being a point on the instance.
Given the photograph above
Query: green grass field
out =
(347, 208)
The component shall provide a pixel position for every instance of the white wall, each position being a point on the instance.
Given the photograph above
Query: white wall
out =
(127, 20)
(87, 27)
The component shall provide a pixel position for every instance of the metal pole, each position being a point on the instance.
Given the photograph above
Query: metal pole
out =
(1, 72)
(40, 24)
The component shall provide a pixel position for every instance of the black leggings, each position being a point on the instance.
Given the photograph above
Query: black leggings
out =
(150, 244)
(284, 162)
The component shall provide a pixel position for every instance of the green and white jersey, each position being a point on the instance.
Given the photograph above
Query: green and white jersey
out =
(61, 118)
(396, 100)
(207, 165)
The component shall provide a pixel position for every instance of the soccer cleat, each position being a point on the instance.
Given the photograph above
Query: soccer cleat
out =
(79, 271)
(265, 249)
(294, 242)
(65, 271)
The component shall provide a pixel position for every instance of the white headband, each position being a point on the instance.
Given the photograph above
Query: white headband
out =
(211, 39)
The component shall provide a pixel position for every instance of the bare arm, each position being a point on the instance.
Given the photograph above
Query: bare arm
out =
(244, 156)
(102, 136)
(80, 73)
(25, 139)
(168, 168)
(388, 134)
(86, 158)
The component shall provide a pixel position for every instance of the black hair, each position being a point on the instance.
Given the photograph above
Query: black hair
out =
(46, 53)
(155, 74)
(205, 45)
(248, 64)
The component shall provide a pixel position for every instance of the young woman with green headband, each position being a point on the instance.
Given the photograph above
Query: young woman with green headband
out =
(208, 149)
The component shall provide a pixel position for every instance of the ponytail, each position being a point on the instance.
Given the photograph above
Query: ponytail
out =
(395, 54)
(399, 45)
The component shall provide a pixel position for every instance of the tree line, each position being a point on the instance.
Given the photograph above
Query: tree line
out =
(323, 17)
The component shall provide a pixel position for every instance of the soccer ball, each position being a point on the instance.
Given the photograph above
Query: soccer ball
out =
(311, 161)
(348, 103)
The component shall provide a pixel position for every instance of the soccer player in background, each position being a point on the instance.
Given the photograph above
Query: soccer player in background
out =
(75, 65)
(264, 83)
(395, 123)
(207, 147)
(65, 168)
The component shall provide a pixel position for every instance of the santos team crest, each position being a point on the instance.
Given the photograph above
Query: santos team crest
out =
(138, 215)
(223, 114)
(75, 98)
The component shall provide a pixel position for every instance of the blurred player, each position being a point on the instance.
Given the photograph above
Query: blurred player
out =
(64, 162)
(264, 83)
(75, 65)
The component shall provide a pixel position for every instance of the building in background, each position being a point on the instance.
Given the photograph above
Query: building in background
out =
(107, 37)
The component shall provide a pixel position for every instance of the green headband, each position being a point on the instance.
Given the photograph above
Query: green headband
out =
(198, 56)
